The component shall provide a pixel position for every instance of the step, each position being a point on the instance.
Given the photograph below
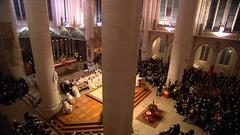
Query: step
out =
(77, 131)
(72, 124)
(140, 95)
(82, 126)
(26, 100)
(142, 98)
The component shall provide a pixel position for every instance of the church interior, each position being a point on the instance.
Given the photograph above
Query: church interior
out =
(120, 67)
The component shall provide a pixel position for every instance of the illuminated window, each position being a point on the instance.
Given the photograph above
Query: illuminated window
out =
(49, 10)
(219, 15)
(20, 11)
(224, 15)
(232, 15)
(162, 47)
(168, 12)
(98, 11)
(204, 53)
(225, 56)
(69, 12)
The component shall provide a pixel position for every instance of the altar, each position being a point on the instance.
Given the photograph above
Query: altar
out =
(97, 94)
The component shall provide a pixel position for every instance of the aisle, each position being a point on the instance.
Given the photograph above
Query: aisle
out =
(170, 116)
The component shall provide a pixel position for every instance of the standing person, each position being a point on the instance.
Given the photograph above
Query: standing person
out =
(159, 90)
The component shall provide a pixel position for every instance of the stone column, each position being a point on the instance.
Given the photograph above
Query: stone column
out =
(236, 69)
(212, 61)
(153, 14)
(165, 58)
(89, 32)
(146, 47)
(38, 24)
(11, 63)
(121, 20)
(183, 38)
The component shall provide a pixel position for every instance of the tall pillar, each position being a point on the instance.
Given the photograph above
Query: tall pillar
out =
(153, 14)
(212, 61)
(89, 32)
(236, 69)
(165, 58)
(146, 47)
(11, 63)
(37, 19)
(183, 38)
(121, 20)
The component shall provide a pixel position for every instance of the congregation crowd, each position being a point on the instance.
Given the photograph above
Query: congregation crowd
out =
(210, 101)
(12, 89)
(154, 71)
(31, 125)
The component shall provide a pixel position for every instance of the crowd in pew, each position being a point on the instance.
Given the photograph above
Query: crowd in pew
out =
(12, 89)
(31, 125)
(5, 127)
(210, 101)
(154, 71)
(175, 130)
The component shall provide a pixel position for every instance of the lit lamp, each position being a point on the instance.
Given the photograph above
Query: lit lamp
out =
(165, 94)
(99, 24)
(221, 32)
(148, 113)
(195, 66)
(170, 27)
(221, 29)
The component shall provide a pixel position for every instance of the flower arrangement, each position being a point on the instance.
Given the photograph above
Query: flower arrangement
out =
(153, 107)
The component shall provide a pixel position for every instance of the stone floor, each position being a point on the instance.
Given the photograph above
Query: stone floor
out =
(170, 117)
(16, 111)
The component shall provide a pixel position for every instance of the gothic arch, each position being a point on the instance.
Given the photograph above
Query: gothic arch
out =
(227, 59)
(202, 56)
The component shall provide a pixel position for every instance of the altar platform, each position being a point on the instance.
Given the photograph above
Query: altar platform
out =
(86, 117)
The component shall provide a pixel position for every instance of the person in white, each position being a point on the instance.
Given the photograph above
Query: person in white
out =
(67, 108)
(75, 91)
(70, 98)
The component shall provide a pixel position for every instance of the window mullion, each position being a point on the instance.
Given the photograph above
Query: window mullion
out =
(20, 10)
(165, 12)
(226, 13)
(208, 5)
(172, 10)
(215, 16)
(235, 18)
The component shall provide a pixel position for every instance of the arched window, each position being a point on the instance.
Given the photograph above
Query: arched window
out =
(225, 56)
(162, 47)
(204, 53)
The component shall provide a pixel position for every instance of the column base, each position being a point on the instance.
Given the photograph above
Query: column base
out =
(49, 111)
(18, 71)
